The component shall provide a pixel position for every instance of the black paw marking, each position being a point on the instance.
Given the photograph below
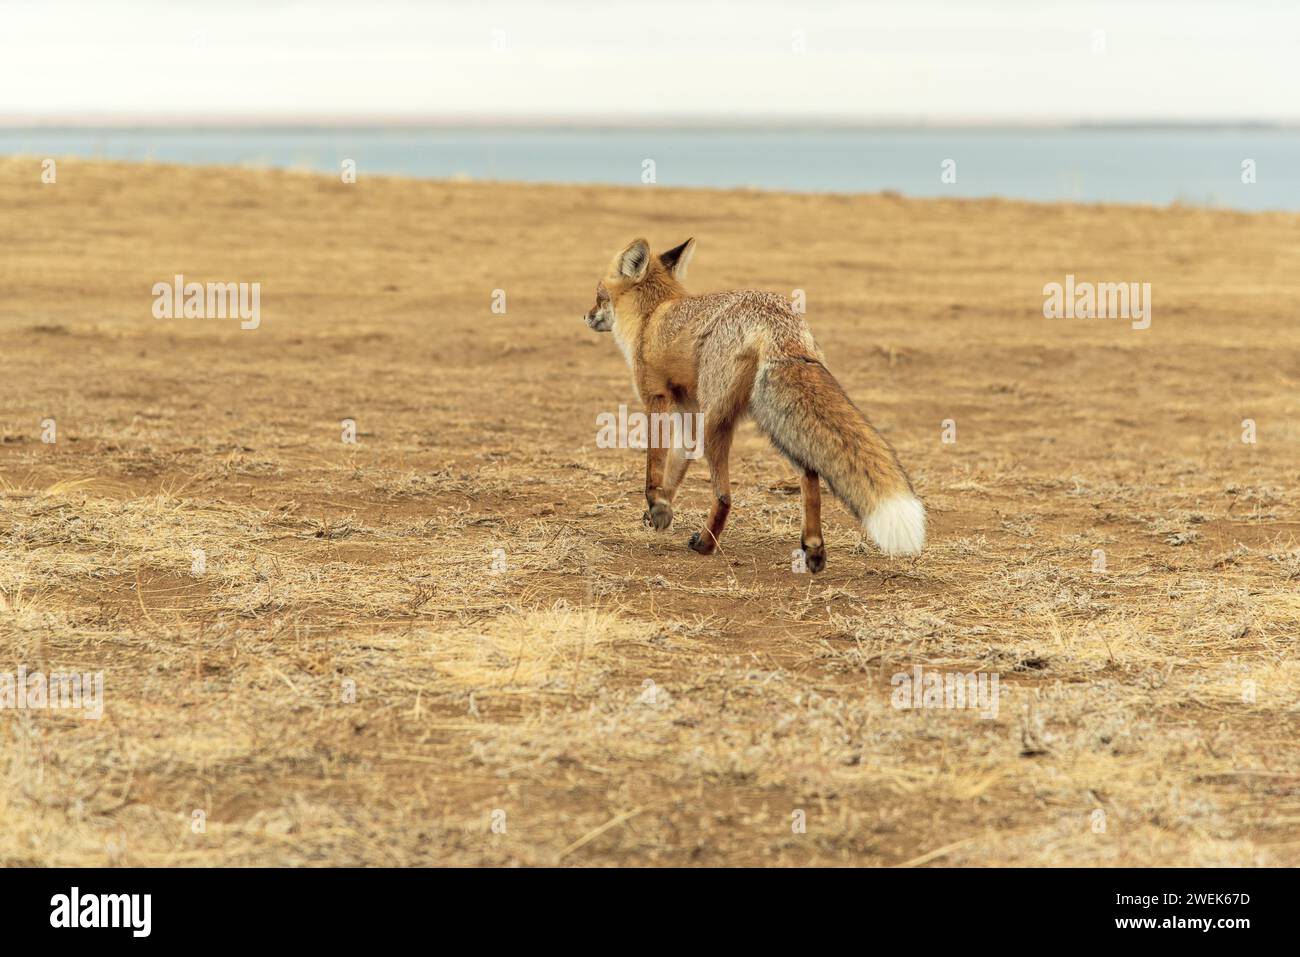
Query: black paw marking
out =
(660, 515)
(701, 543)
(815, 557)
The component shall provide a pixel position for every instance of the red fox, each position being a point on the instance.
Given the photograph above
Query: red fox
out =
(728, 354)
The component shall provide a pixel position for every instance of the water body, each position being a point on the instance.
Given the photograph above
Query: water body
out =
(1196, 166)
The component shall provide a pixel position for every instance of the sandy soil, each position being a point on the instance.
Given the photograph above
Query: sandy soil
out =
(540, 679)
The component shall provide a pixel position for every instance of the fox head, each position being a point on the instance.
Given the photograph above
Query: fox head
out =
(637, 281)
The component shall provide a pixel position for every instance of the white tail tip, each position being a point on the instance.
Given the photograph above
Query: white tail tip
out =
(897, 524)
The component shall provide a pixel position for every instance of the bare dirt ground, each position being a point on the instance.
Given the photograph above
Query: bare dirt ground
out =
(538, 678)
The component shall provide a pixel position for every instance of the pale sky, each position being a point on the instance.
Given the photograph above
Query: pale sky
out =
(926, 60)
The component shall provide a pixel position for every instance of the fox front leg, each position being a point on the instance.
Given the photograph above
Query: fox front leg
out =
(717, 450)
(659, 513)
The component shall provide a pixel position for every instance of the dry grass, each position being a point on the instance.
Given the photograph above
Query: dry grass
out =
(350, 680)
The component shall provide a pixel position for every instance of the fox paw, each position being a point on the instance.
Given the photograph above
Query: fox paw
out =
(704, 544)
(814, 555)
(659, 516)
(815, 558)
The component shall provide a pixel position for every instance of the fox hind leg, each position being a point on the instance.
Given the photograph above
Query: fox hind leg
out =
(814, 549)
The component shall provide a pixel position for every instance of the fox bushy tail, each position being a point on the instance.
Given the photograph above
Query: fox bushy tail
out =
(812, 422)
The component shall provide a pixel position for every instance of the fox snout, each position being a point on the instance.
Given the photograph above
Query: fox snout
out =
(598, 321)
(601, 316)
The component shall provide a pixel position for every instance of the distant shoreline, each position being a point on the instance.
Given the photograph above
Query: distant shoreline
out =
(1234, 168)
(894, 195)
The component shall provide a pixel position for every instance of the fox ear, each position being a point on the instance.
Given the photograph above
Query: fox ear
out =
(678, 258)
(635, 260)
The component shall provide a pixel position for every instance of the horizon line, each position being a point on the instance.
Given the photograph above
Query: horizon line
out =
(252, 121)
